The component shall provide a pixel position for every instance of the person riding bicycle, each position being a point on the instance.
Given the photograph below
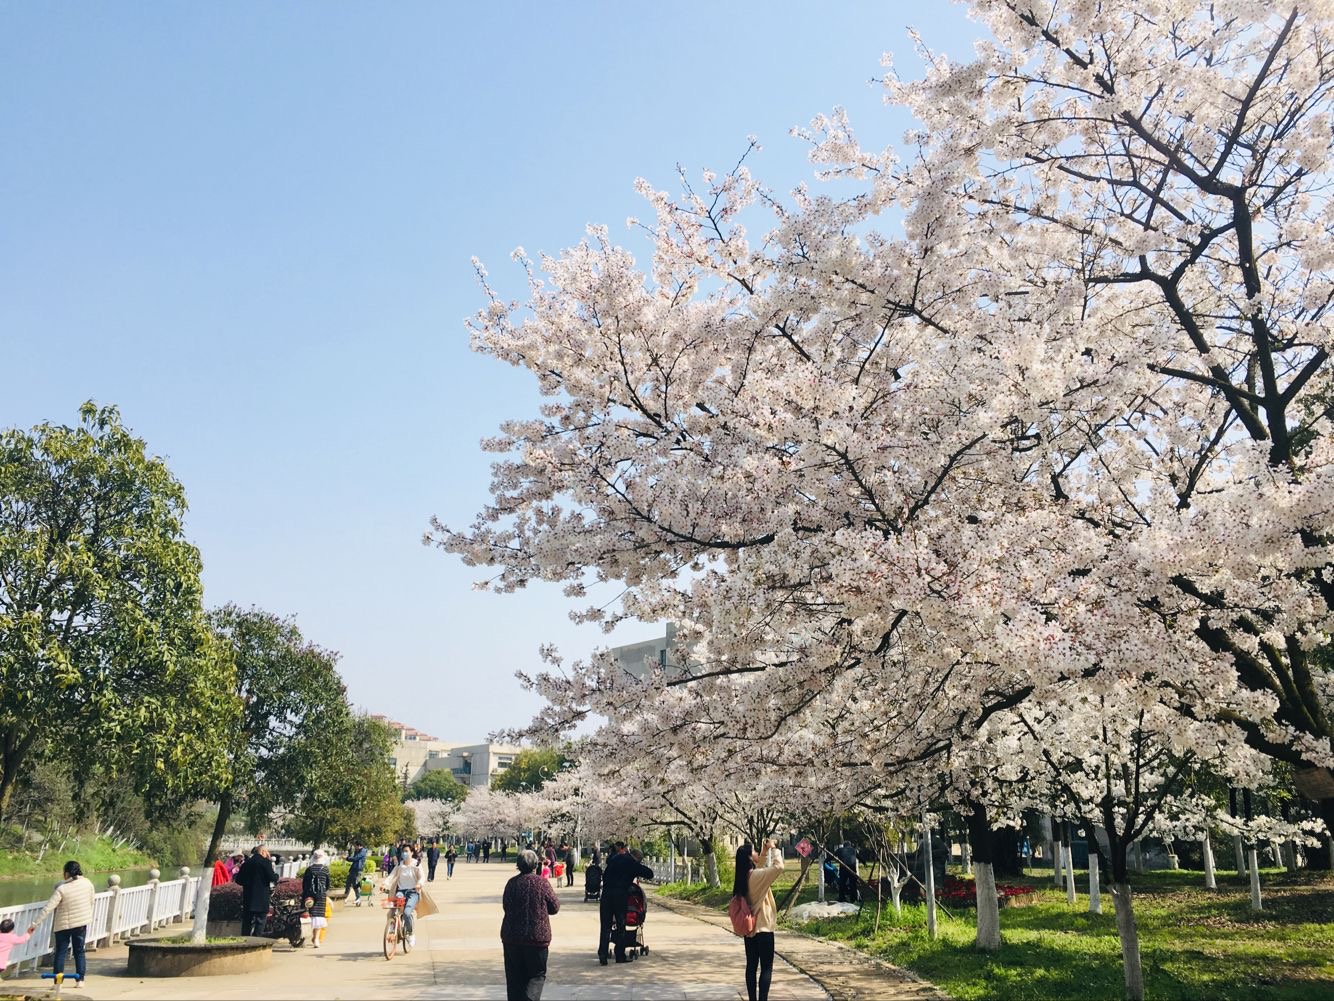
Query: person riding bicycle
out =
(406, 881)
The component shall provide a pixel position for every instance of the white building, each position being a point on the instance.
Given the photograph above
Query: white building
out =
(639, 659)
(415, 753)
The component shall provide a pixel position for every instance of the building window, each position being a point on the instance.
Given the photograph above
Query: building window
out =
(433, 754)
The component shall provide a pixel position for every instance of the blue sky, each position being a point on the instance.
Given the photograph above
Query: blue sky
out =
(249, 226)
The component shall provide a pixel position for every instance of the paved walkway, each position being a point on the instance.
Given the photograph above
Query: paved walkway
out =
(458, 955)
(843, 972)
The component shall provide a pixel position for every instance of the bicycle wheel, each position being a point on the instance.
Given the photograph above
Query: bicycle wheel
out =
(391, 932)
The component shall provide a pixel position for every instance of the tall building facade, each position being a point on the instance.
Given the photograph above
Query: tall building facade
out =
(415, 753)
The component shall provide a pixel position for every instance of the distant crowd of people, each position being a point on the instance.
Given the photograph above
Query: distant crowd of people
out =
(528, 901)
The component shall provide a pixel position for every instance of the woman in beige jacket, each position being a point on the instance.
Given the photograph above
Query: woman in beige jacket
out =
(73, 903)
(753, 882)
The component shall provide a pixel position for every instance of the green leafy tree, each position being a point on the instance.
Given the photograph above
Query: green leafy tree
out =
(352, 793)
(438, 784)
(105, 652)
(293, 707)
(531, 769)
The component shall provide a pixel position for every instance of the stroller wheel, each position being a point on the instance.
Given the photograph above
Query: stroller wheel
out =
(644, 949)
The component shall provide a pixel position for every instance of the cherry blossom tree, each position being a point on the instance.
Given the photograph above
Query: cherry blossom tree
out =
(1079, 405)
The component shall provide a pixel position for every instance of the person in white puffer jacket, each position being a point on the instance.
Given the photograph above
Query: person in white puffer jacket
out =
(72, 902)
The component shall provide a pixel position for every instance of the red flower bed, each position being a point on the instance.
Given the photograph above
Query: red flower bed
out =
(963, 892)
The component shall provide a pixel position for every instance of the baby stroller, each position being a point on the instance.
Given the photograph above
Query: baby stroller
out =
(632, 935)
(592, 881)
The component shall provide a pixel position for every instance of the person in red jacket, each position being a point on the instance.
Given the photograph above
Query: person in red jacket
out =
(529, 901)
(221, 874)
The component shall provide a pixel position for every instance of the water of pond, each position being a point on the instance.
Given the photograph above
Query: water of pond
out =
(25, 891)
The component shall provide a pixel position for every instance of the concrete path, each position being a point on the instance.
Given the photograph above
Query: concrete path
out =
(458, 955)
(843, 972)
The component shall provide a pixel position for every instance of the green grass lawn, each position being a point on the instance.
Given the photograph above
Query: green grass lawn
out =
(1195, 943)
(94, 853)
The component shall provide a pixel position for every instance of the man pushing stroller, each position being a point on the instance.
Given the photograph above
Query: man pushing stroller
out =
(617, 878)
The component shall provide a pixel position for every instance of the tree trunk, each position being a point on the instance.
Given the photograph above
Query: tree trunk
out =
(1322, 856)
(1053, 847)
(1240, 853)
(1210, 878)
(930, 883)
(219, 828)
(790, 897)
(199, 929)
(13, 750)
(1095, 891)
(1256, 903)
(1126, 930)
(984, 884)
(896, 890)
(1069, 864)
(1129, 936)
(1290, 856)
(711, 867)
(1006, 859)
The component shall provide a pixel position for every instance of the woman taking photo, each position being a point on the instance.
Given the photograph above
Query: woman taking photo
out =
(753, 883)
(525, 932)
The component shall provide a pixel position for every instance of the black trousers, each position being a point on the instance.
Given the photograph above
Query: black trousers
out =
(759, 959)
(847, 886)
(612, 906)
(430, 870)
(252, 922)
(525, 971)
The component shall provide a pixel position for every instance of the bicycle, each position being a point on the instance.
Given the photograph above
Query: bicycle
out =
(395, 928)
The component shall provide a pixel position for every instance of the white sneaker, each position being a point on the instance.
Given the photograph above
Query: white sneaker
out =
(412, 941)
(315, 944)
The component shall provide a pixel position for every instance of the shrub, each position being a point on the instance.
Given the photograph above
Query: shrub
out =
(726, 868)
(289, 886)
(338, 870)
(224, 903)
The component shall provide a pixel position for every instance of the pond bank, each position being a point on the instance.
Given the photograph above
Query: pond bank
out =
(29, 889)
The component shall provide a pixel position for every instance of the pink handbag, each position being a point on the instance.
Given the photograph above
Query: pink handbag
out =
(743, 921)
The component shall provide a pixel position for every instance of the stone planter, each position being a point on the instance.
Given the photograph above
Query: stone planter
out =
(183, 959)
(338, 898)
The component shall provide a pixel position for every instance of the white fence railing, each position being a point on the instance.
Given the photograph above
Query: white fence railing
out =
(278, 846)
(117, 914)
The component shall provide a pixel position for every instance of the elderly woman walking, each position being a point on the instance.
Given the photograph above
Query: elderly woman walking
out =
(525, 932)
(72, 902)
(315, 890)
